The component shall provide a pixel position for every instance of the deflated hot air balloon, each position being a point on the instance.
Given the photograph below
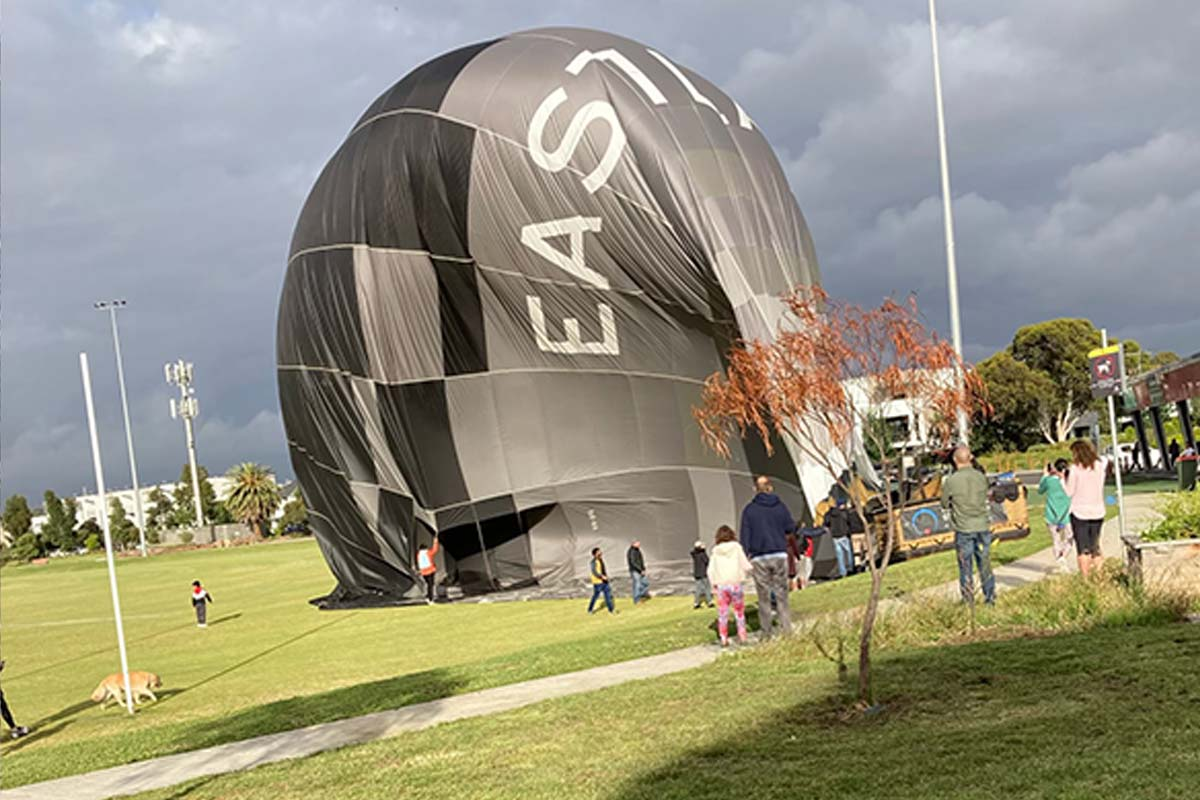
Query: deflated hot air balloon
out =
(502, 297)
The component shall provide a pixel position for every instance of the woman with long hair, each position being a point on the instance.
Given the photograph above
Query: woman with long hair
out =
(728, 569)
(1085, 487)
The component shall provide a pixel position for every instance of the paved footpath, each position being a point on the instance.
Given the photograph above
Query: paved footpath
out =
(158, 773)
(1139, 513)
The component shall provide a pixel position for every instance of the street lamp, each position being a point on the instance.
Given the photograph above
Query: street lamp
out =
(111, 307)
(180, 374)
(947, 215)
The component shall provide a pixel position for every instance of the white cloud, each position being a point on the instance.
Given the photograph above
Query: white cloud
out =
(174, 50)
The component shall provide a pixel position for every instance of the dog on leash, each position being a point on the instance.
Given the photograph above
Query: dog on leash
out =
(112, 688)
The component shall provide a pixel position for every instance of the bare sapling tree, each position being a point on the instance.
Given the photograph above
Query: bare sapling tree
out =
(831, 371)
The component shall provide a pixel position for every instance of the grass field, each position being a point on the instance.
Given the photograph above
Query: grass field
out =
(1067, 691)
(269, 661)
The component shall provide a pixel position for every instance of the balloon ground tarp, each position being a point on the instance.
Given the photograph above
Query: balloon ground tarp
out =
(502, 298)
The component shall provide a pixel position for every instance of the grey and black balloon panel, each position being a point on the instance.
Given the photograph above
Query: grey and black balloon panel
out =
(503, 295)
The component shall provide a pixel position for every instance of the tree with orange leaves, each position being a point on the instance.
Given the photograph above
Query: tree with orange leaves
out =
(821, 385)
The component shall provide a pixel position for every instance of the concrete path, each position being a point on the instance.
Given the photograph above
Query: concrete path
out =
(158, 773)
(1139, 513)
(167, 771)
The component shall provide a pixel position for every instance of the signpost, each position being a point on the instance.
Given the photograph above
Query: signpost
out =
(1108, 381)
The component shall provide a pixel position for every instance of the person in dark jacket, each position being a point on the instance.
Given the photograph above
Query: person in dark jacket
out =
(637, 572)
(766, 522)
(837, 519)
(703, 588)
(200, 600)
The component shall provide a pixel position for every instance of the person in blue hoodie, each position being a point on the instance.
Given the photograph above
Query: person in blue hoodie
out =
(766, 522)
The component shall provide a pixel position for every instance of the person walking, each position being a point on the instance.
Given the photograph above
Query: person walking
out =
(1057, 510)
(965, 494)
(727, 571)
(14, 730)
(1173, 451)
(702, 590)
(600, 584)
(1085, 487)
(804, 566)
(766, 522)
(200, 600)
(837, 519)
(428, 567)
(637, 572)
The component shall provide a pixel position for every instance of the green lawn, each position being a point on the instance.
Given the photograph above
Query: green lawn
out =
(269, 661)
(1067, 691)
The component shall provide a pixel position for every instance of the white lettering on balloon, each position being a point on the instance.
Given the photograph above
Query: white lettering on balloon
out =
(534, 237)
(557, 159)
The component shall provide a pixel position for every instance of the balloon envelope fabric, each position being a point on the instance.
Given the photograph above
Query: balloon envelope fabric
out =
(503, 295)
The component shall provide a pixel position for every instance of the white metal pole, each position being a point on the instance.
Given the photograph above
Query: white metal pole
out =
(191, 446)
(947, 212)
(1112, 421)
(137, 491)
(108, 546)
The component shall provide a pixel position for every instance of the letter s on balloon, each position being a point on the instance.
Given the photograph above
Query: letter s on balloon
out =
(557, 159)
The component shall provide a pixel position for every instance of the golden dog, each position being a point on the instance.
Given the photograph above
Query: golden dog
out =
(113, 688)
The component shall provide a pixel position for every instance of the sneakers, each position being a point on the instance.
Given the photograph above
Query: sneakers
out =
(20, 731)
(724, 641)
(201, 625)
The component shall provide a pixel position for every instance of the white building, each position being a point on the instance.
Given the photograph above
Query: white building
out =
(89, 504)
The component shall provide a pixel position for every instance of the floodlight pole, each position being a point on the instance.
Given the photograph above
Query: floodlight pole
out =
(108, 545)
(180, 374)
(111, 307)
(947, 217)
(1112, 421)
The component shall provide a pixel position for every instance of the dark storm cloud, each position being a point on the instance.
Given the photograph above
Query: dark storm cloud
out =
(161, 151)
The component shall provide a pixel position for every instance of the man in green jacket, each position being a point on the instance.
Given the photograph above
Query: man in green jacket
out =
(965, 494)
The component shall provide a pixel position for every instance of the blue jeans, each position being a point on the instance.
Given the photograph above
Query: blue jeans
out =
(845, 555)
(975, 548)
(599, 589)
(641, 585)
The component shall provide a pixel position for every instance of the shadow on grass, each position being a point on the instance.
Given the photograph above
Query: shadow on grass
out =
(107, 650)
(350, 701)
(263, 653)
(1074, 715)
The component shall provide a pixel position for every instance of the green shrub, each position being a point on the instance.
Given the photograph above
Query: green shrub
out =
(92, 542)
(1181, 518)
(186, 537)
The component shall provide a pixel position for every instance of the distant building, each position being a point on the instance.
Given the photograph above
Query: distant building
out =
(89, 506)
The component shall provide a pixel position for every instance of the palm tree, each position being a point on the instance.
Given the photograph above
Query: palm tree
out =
(253, 497)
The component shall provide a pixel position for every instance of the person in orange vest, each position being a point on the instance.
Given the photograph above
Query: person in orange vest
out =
(428, 567)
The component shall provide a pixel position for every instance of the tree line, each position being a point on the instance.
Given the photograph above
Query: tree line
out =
(252, 500)
(1039, 386)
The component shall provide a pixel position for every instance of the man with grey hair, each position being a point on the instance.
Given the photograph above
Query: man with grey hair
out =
(965, 494)
(766, 522)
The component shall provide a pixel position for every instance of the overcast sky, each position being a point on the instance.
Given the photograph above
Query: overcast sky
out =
(160, 152)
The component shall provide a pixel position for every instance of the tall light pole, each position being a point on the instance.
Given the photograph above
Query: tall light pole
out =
(947, 212)
(105, 525)
(180, 374)
(111, 307)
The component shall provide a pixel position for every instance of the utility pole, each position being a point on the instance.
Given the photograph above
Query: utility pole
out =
(111, 307)
(108, 545)
(180, 374)
(947, 216)
(1116, 447)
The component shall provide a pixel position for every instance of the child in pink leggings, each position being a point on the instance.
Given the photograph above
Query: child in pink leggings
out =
(728, 568)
